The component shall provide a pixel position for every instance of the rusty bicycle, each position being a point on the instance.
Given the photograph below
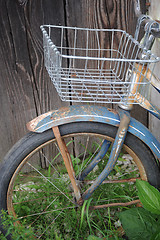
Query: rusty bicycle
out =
(86, 151)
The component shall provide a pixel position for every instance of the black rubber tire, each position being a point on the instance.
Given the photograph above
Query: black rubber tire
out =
(32, 140)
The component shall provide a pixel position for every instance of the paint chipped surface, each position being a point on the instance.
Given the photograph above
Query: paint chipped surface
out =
(72, 114)
(33, 123)
(95, 114)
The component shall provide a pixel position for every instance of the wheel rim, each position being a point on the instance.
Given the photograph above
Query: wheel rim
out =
(42, 194)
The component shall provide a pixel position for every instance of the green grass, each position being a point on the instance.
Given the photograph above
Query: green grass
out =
(59, 218)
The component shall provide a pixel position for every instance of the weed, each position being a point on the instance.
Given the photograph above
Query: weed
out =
(18, 231)
(44, 203)
(143, 223)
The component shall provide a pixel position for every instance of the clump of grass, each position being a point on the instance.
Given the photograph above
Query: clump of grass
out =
(52, 215)
(14, 229)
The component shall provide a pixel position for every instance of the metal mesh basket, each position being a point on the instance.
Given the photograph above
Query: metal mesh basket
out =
(96, 65)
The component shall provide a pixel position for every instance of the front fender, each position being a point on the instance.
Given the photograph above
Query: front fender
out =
(95, 114)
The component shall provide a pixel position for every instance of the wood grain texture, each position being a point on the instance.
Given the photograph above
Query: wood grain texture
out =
(114, 14)
(154, 123)
(26, 90)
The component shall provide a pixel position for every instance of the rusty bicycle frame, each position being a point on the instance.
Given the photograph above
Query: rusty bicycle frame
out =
(121, 119)
(124, 115)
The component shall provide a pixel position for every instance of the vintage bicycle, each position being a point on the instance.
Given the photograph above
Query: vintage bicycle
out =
(86, 152)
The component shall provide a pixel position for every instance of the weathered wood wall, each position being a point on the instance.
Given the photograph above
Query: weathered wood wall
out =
(25, 88)
(154, 123)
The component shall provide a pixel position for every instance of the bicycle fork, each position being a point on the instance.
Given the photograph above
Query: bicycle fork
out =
(116, 148)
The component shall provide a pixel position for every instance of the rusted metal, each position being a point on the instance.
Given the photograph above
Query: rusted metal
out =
(67, 161)
(113, 181)
(148, 4)
(69, 157)
(147, 105)
(33, 123)
(80, 201)
(137, 76)
(92, 113)
(155, 81)
(143, 102)
(72, 114)
(103, 150)
(116, 148)
(115, 204)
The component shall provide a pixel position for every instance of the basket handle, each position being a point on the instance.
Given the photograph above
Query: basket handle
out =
(139, 23)
(150, 26)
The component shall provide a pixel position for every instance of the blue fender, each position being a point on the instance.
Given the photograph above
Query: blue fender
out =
(94, 114)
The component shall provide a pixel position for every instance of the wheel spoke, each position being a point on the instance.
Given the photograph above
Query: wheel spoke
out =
(84, 155)
(45, 212)
(50, 163)
(42, 195)
(50, 224)
(90, 159)
(49, 181)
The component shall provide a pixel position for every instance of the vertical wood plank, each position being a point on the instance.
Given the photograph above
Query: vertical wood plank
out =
(114, 14)
(154, 123)
(26, 90)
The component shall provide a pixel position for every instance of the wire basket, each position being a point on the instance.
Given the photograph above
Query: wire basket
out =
(96, 65)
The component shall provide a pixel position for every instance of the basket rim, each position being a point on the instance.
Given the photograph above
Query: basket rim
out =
(85, 29)
(54, 47)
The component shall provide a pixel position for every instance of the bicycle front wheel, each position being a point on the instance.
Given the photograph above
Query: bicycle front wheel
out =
(36, 189)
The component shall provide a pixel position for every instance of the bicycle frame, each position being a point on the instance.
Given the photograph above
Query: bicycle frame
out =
(147, 105)
(122, 119)
(95, 114)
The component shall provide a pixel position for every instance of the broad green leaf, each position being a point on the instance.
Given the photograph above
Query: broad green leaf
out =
(138, 223)
(149, 196)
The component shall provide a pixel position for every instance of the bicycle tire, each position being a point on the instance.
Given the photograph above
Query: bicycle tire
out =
(32, 142)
